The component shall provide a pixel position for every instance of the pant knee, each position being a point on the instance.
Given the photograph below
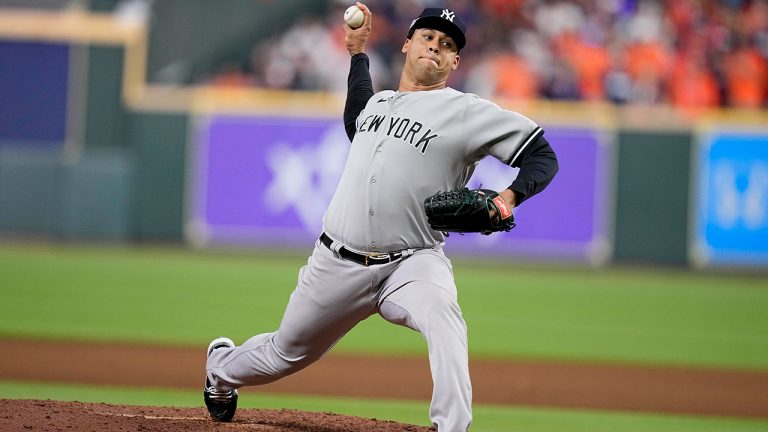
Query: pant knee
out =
(442, 307)
(435, 308)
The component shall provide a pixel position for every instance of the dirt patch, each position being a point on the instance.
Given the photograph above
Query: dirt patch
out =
(556, 384)
(30, 415)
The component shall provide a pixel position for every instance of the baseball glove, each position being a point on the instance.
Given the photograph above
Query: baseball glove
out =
(468, 210)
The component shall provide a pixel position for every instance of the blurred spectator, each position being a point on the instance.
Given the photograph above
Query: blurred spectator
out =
(648, 63)
(588, 61)
(692, 84)
(746, 77)
(562, 83)
(618, 82)
(692, 53)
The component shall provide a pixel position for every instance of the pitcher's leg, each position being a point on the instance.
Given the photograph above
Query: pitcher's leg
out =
(331, 297)
(434, 311)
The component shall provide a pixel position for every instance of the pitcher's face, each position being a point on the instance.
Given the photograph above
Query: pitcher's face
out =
(430, 56)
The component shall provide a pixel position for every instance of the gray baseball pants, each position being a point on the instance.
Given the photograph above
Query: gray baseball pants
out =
(332, 296)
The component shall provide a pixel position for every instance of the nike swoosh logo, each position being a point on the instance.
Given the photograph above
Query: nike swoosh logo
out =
(382, 100)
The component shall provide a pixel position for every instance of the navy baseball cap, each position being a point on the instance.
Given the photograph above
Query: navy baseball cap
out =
(444, 20)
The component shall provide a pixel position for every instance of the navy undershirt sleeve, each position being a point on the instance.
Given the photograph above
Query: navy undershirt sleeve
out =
(538, 165)
(359, 90)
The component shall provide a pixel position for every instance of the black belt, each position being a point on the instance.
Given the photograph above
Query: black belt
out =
(366, 260)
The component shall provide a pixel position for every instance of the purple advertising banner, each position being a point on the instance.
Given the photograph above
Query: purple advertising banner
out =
(568, 219)
(266, 182)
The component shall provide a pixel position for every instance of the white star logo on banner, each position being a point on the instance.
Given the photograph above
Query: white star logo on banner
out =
(304, 178)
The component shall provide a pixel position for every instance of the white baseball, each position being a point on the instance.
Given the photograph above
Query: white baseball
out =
(354, 17)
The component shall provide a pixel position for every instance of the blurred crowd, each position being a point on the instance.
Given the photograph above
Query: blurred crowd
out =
(689, 53)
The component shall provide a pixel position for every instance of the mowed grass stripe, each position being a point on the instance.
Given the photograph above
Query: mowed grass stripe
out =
(181, 297)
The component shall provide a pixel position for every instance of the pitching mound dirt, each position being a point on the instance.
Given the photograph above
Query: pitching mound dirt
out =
(54, 416)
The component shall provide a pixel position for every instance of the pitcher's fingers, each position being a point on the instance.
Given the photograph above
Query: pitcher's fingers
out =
(368, 16)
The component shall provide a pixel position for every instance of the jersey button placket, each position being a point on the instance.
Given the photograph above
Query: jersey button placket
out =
(371, 213)
(374, 194)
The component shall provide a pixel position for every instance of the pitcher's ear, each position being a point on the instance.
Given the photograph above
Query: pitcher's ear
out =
(456, 62)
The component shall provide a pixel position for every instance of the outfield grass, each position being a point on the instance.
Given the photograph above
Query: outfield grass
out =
(487, 418)
(173, 296)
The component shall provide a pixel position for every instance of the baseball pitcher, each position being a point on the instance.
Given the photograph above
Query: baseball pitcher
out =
(403, 188)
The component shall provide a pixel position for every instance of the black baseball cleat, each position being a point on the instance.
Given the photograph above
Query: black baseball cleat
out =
(221, 404)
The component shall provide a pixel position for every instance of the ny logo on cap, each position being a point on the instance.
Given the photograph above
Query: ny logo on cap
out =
(448, 14)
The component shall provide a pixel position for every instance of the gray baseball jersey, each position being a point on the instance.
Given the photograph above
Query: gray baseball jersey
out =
(408, 146)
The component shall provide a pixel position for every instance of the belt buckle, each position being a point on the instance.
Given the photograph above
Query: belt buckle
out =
(372, 255)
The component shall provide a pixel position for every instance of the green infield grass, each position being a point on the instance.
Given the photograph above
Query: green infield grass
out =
(487, 418)
(182, 297)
